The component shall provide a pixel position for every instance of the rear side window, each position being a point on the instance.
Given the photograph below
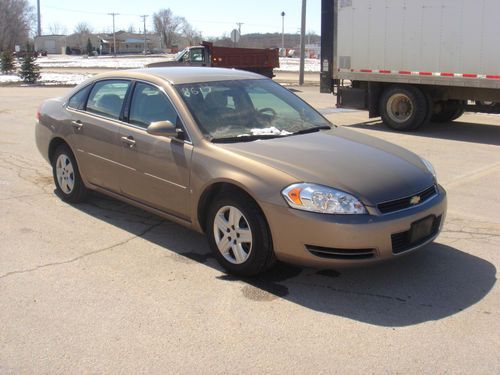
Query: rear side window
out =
(149, 105)
(107, 97)
(77, 101)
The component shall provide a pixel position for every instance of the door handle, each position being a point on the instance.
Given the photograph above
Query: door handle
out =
(130, 141)
(77, 124)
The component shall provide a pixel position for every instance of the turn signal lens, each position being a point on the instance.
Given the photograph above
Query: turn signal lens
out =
(294, 195)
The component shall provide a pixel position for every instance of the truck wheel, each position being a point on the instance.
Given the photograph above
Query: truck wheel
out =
(404, 107)
(449, 110)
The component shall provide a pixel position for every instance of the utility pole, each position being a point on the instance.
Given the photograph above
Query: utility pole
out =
(114, 34)
(39, 19)
(144, 20)
(302, 43)
(283, 30)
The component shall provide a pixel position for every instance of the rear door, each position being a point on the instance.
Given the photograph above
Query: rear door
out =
(158, 168)
(99, 132)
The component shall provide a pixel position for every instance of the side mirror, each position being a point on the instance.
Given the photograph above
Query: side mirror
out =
(162, 129)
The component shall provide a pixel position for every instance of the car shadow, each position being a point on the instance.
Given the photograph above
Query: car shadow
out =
(431, 284)
(456, 131)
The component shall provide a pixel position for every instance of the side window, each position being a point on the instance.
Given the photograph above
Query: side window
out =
(77, 101)
(196, 54)
(149, 105)
(106, 98)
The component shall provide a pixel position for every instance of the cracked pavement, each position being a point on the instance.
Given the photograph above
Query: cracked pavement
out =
(103, 287)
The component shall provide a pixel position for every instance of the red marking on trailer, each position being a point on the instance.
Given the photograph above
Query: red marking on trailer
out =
(384, 71)
(447, 75)
(492, 77)
(425, 73)
(366, 71)
(469, 75)
(404, 72)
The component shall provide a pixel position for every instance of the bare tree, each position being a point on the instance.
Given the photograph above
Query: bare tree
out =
(167, 25)
(131, 29)
(193, 36)
(81, 35)
(57, 29)
(83, 28)
(16, 22)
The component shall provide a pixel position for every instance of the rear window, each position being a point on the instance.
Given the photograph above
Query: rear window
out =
(77, 101)
(107, 97)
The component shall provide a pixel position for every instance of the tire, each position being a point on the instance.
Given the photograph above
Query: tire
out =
(69, 184)
(404, 107)
(449, 110)
(242, 245)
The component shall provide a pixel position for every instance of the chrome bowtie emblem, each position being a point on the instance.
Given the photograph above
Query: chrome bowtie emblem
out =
(415, 200)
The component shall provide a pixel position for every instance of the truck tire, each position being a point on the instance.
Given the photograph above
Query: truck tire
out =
(404, 107)
(449, 110)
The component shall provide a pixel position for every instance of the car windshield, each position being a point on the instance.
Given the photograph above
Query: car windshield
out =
(243, 110)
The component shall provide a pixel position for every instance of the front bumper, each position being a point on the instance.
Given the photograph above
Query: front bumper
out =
(320, 240)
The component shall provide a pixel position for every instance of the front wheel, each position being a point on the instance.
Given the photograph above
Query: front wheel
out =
(404, 107)
(69, 184)
(239, 236)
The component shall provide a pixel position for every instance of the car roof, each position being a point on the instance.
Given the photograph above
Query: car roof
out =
(180, 75)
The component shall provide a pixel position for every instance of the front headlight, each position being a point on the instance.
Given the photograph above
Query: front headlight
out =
(429, 167)
(322, 199)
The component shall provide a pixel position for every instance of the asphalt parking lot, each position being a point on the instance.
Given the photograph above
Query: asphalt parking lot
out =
(102, 287)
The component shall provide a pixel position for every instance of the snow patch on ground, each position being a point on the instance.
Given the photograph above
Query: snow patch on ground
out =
(287, 64)
(130, 62)
(292, 64)
(50, 78)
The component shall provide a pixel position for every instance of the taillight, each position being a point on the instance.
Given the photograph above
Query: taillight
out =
(38, 113)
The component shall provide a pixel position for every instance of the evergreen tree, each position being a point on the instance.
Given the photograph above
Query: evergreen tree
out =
(30, 71)
(6, 62)
(90, 48)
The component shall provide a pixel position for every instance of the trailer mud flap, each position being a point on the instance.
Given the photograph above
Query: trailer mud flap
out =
(355, 98)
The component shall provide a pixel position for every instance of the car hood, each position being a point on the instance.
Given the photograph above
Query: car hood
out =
(373, 170)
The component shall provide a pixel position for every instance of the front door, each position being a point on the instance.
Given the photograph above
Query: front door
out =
(158, 167)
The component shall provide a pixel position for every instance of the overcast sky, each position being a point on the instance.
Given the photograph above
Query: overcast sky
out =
(211, 17)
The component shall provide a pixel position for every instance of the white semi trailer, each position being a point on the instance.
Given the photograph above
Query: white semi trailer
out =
(411, 61)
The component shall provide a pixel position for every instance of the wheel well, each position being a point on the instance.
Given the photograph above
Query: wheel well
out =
(54, 144)
(211, 192)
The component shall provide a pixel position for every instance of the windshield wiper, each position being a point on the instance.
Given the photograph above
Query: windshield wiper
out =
(245, 138)
(312, 130)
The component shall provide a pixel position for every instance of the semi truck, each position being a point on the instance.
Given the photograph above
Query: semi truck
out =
(261, 61)
(411, 61)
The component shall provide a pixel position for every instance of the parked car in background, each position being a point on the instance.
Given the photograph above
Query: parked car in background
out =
(240, 158)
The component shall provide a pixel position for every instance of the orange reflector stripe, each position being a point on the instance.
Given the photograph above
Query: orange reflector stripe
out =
(294, 195)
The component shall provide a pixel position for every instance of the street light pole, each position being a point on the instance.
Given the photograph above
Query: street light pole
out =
(144, 20)
(302, 43)
(283, 30)
(114, 34)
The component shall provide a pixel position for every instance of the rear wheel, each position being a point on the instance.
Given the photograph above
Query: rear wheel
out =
(238, 235)
(404, 107)
(448, 110)
(67, 179)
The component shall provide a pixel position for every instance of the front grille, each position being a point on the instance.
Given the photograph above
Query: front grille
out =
(401, 241)
(402, 203)
(347, 254)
